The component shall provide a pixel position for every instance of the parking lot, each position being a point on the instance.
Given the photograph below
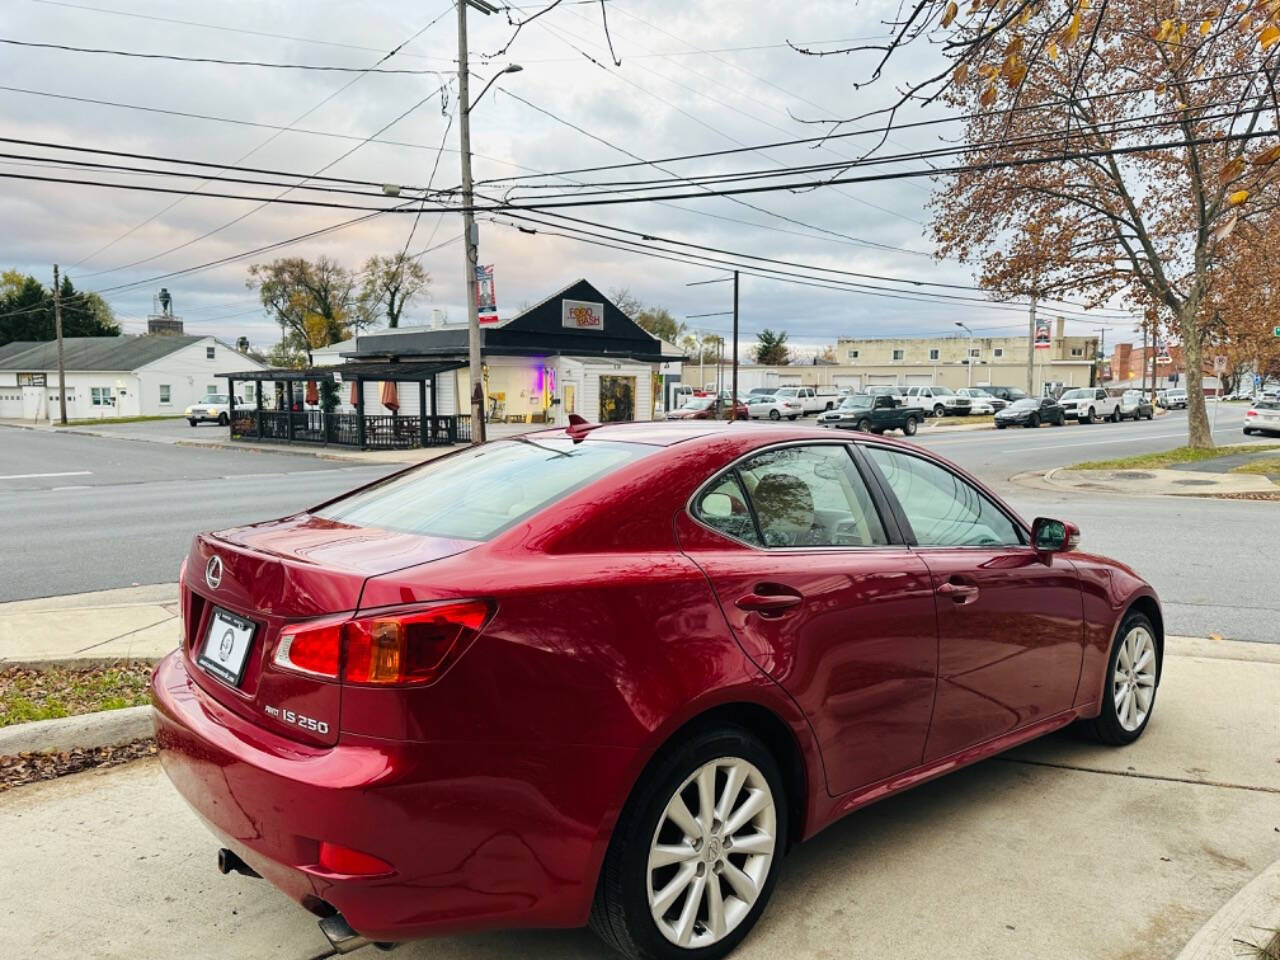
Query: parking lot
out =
(1059, 850)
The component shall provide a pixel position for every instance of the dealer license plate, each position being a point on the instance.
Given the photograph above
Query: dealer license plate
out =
(226, 646)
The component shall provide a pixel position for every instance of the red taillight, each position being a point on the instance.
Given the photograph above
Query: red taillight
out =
(1251, 413)
(311, 648)
(183, 602)
(413, 647)
(403, 647)
(339, 859)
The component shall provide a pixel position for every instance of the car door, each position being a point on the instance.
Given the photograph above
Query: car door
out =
(1010, 622)
(824, 601)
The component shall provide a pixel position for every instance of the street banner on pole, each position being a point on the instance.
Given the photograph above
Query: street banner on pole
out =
(1043, 338)
(486, 297)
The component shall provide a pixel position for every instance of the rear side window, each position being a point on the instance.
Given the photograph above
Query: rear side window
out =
(476, 494)
(811, 496)
(723, 506)
(943, 510)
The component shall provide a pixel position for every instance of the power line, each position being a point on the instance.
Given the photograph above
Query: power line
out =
(279, 198)
(354, 80)
(862, 132)
(325, 68)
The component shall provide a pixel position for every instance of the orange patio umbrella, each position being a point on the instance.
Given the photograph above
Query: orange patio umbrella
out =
(355, 393)
(389, 398)
(313, 393)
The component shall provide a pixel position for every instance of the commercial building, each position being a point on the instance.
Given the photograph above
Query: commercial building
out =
(128, 376)
(1162, 367)
(574, 352)
(959, 361)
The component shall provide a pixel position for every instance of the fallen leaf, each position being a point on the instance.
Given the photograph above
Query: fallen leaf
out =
(1237, 198)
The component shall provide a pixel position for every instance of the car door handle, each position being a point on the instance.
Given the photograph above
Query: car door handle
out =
(958, 592)
(770, 604)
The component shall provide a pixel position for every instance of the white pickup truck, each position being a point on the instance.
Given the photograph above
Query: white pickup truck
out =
(1088, 404)
(808, 398)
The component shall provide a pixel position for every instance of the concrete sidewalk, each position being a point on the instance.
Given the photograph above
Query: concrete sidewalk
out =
(91, 628)
(1145, 481)
(1061, 850)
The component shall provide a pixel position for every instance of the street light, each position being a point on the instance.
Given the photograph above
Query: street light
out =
(968, 360)
(470, 238)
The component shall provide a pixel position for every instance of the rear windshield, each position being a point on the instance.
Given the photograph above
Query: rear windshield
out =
(476, 494)
(1267, 405)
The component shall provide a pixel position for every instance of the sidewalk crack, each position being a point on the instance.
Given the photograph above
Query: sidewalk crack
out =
(127, 633)
(1140, 776)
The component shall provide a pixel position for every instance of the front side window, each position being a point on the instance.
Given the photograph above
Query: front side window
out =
(943, 510)
(476, 494)
(811, 496)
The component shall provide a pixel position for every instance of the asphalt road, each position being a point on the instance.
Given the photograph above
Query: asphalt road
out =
(81, 513)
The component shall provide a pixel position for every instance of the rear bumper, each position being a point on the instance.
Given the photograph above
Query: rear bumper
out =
(478, 835)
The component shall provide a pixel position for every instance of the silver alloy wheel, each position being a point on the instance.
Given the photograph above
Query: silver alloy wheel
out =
(1134, 683)
(708, 862)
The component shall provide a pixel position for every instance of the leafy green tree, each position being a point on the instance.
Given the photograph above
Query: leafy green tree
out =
(313, 301)
(656, 320)
(26, 310)
(771, 348)
(390, 283)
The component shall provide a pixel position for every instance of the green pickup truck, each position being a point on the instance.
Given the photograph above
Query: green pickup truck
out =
(875, 414)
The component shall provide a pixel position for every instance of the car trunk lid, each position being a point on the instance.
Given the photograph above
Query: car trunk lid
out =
(244, 585)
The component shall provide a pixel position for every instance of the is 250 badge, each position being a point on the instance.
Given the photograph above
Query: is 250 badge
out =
(298, 720)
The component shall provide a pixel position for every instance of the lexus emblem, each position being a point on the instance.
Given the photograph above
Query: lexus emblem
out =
(224, 649)
(213, 572)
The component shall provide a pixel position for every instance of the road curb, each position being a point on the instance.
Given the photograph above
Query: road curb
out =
(107, 728)
(1249, 916)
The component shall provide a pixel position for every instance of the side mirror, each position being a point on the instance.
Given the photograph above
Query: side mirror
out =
(1054, 536)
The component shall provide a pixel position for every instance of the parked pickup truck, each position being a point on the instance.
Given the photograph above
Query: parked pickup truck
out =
(873, 414)
(808, 398)
(1088, 404)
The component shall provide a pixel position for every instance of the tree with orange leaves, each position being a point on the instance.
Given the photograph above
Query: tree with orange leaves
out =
(1113, 147)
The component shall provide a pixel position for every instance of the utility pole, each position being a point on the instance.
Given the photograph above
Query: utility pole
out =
(733, 402)
(57, 328)
(1031, 349)
(469, 233)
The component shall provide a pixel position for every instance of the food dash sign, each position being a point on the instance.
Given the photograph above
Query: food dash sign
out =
(581, 315)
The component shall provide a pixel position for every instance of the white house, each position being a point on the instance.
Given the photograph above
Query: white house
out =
(128, 376)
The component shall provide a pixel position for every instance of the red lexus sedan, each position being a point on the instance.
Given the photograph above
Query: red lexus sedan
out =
(611, 674)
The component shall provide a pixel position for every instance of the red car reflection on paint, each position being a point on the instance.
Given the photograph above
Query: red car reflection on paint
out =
(609, 675)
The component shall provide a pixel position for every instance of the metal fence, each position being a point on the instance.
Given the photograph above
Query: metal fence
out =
(381, 431)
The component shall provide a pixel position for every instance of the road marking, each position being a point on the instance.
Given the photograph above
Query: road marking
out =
(36, 476)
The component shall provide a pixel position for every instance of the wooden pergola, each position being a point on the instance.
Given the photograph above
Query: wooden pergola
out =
(358, 429)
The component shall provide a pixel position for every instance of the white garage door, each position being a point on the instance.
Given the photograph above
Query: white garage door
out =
(851, 380)
(882, 379)
(919, 380)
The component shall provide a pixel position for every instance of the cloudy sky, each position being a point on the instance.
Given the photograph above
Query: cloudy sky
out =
(695, 76)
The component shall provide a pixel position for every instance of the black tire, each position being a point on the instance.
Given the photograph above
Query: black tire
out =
(793, 416)
(1106, 727)
(1033, 421)
(222, 420)
(909, 428)
(1115, 415)
(827, 407)
(939, 410)
(620, 912)
(774, 414)
(1061, 421)
(1088, 417)
(1000, 426)
(1151, 415)
(193, 421)
(864, 425)
(1248, 432)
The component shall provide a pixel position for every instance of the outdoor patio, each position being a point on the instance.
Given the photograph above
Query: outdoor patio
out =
(311, 418)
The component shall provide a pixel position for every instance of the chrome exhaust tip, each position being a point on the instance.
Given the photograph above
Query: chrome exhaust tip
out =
(340, 935)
